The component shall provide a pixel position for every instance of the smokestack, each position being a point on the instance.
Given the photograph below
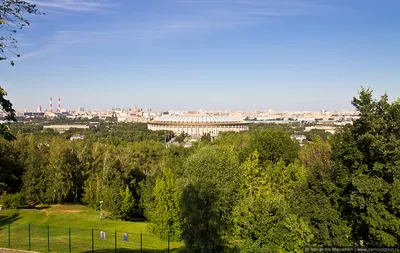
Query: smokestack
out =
(59, 105)
(51, 104)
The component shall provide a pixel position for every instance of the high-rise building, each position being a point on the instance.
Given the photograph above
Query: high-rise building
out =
(39, 108)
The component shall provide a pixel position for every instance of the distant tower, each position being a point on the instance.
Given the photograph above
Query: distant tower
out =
(135, 108)
(39, 108)
(51, 104)
(59, 105)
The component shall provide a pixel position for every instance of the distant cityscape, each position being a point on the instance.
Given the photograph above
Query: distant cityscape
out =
(136, 114)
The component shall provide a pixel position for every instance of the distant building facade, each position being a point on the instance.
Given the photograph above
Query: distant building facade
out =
(198, 125)
(133, 118)
(34, 114)
(63, 128)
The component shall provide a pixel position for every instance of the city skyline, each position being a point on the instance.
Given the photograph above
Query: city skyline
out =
(212, 54)
(55, 105)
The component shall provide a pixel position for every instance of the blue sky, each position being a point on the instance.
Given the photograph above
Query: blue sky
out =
(210, 54)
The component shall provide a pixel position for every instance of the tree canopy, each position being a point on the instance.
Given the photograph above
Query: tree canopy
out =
(12, 19)
(367, 159)
(255, 191)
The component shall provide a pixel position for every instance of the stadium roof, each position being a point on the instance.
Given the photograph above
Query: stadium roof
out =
(168, 119)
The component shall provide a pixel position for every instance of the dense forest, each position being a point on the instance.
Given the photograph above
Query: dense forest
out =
(257, 191)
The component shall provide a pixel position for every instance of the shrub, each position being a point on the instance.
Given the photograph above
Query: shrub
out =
(13, 201)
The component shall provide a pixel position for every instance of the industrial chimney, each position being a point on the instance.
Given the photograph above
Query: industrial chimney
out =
(51, 104)
(59, 105)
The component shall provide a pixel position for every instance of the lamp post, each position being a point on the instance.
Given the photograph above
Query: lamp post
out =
(101, 210)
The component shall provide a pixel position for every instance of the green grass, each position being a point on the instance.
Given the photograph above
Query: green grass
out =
(79, 222)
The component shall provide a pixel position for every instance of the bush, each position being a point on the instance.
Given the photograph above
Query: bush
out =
(13, 201)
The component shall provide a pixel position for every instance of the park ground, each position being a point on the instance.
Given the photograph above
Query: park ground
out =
(61, 228)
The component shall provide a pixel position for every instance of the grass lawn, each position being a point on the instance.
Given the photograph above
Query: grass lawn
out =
(55, 226)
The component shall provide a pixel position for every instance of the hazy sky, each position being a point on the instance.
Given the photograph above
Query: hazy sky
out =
(210, 54)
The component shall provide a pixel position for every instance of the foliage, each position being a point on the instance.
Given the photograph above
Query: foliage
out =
(315, 134)
(274, 145)
(317, 154)
(211, 183)
(206, 137)
(34, 157)
(128, 205)
(316, 201)
(180, 138)
(6, 106)
(12, 19)
(367, 159)
(165, 214)
(13, 201)
(11, 167)
(238, 141)
(266, 225)
(261, 126)
(263, 217)
(204, 221)
(255, 191)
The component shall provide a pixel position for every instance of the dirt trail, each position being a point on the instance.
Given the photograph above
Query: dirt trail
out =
(47, 212)
(14, 251)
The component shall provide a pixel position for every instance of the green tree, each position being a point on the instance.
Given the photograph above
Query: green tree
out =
(211, 182)
(316, 201)
(6, 105)
(267, 225)
(239, 141)
(12, 18)
(180, 138)
(205, 218)
(13, 201)
(104, 182)
(317, 154)
(11, 169)
(128, 205)
(264, 221)
(206, 137)
(165, 214)
(367, 159)
(34, 154)
(60, 171)
(274, 145)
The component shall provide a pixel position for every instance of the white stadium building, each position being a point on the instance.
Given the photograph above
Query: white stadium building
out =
(198, 125)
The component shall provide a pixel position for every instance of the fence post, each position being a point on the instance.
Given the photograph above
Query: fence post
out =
(168, 242)
(141, 242)
(92, 242)
(29, 236)
(9, 235)
(69, 240)
(48, 238)
(115, 239)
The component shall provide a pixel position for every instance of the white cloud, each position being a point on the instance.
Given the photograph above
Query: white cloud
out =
(72, 5)
(194, 16)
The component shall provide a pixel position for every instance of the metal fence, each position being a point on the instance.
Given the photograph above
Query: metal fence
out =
(57, 239)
